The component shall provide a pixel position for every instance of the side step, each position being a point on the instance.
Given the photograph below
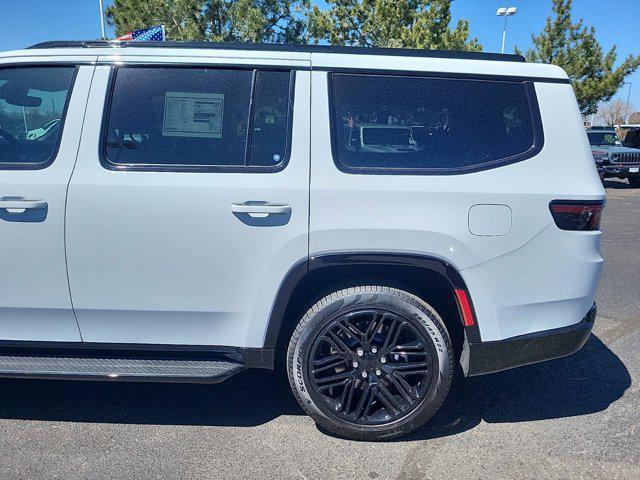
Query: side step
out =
(118, 368)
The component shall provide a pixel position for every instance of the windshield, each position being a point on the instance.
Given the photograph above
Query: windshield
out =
(386, 136)
(603, 138)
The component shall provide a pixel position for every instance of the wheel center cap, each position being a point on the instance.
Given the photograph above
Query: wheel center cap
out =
(369, 362)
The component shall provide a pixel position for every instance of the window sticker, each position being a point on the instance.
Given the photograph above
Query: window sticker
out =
(193, 114)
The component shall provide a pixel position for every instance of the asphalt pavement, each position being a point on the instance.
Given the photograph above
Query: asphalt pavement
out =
(577, 417)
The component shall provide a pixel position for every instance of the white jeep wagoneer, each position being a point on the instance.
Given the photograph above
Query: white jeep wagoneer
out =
(370, 220)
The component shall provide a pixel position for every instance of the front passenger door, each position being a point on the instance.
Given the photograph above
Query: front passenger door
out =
(40, 125)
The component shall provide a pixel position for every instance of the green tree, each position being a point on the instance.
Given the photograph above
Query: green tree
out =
(574, 47)
(421, 24)
(273, 21)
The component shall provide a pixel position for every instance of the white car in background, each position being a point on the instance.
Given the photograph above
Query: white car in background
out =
(382, 139)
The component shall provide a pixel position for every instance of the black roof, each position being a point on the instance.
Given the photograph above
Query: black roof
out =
(401, 52)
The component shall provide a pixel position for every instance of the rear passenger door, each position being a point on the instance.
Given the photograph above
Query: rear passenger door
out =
(190, 204)
(40, 125)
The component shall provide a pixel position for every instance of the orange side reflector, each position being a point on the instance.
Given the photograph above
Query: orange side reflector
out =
(465, 307)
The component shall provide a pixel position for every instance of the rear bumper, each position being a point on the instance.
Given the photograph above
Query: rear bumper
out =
(494, 356)
(620, 170)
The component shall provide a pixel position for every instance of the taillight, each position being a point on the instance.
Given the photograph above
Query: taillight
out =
(581, 215)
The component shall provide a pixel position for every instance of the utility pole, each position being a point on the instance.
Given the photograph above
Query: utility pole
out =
(104, 36)
(626, 111)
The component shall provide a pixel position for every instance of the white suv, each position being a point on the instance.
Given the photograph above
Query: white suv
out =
(200, 209)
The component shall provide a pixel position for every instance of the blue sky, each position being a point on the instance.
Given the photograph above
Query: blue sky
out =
(26, 22)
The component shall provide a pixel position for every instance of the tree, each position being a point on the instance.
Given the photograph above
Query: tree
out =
(634, 118)
(421, 24)
(272, 21)
(575, 48)
(615, 112)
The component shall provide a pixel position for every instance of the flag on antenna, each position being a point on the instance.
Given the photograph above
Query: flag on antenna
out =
(144, 35)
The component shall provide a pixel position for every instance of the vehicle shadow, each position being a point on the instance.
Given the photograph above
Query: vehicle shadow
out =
(587, 382)
(583, 383)
(251, 398)
(616, 184)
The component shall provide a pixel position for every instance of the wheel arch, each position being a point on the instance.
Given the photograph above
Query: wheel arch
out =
(311, 279)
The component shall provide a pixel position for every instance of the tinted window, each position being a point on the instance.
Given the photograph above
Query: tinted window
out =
(603, 138)
(437, 125)
(188, 117)
(632, 139)
(271, 117)
(32, 105)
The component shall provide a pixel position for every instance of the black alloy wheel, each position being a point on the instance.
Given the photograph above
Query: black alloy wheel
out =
(370, 366)
(370, 362)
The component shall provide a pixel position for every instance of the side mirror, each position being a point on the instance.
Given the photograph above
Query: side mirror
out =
(18, 95)
(22, 100)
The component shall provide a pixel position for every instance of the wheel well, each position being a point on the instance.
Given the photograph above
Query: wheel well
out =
(429, 285)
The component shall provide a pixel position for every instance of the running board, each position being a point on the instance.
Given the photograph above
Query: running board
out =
(118, 368)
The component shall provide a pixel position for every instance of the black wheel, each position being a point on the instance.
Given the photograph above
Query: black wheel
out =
(370, 362)
(634, 181)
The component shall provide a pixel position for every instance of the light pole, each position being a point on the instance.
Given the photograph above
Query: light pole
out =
(626, 110)
(104, 37)
(505, 12)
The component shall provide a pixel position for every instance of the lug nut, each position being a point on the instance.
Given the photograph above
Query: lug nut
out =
(360, 352)
(364, 374)
(355, 364)
(374, 349)
(378, 372)
(383, 360)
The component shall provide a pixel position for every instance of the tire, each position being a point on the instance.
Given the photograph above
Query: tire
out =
(406, 355)
(634, 181)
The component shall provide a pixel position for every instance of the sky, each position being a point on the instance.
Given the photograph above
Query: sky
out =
(25, 22)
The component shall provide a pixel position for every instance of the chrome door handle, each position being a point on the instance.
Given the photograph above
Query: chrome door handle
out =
(260, 208)
(18, 203)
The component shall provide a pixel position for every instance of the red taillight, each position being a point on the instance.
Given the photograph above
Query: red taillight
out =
(577, 215)
(465, 307)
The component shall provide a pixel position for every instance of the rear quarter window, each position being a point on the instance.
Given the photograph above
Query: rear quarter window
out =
(423, 125)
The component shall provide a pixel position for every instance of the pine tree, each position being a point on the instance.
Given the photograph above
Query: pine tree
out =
(574, 47)
(421, 24)
(273, 21)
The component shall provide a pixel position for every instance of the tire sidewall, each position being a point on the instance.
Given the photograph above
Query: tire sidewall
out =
(409, 307)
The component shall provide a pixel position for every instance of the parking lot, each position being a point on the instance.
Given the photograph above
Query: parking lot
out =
(574, 417)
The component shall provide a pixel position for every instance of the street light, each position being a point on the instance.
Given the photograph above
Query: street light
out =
(103, 37)
(505, 12)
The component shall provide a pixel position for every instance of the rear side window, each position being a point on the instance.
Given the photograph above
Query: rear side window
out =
(403, 124)
(198, 118)
(33, 102)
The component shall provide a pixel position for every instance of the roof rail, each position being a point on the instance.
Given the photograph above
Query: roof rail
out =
(286, 48)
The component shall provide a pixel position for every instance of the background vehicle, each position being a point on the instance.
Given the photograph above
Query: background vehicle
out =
(201, 209)
(615, 159)
(632, 139)
(382, 138)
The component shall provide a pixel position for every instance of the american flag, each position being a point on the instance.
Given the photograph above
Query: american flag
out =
(146, 34)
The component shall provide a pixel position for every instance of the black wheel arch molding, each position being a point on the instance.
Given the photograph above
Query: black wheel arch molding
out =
(321, 261)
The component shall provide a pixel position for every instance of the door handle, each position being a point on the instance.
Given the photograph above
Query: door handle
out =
(19, 203)
(260, 208)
